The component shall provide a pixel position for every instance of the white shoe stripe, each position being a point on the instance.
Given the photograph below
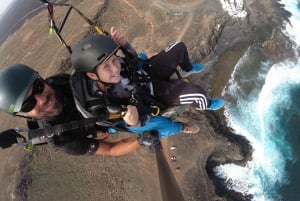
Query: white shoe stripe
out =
(170, 46)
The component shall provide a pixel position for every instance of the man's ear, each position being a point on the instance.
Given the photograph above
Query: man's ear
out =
(93, 76)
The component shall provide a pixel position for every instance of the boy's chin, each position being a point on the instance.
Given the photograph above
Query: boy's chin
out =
(115, 81)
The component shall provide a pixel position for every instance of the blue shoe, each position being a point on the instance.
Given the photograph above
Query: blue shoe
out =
(216, 104)
(112, 131)
(143, 56)
(196, 68)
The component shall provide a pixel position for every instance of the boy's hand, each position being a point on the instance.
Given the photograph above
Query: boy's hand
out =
(117, 36)
(132, 116)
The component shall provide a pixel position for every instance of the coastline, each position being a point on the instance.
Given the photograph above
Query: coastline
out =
(271, 41)
(216, 143)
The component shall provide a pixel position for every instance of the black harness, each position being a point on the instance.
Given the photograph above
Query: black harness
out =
(143, 91)
(140, 88)
(70, 119)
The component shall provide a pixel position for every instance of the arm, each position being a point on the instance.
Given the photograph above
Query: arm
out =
(132, 115)
(120, 39)
(119, 148)
(125, 146)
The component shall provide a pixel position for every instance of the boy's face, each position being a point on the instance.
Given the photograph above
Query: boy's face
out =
(109, 71)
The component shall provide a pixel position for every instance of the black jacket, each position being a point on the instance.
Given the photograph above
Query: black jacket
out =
(91, 102)
(73, 141)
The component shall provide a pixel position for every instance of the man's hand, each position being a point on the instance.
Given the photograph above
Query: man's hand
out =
(148, 139)
(132, 116)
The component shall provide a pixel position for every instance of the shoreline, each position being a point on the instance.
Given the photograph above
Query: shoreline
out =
(271, 44)
(246, 152)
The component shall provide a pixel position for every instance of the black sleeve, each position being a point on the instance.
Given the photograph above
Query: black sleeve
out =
(129, 51)
(31, 124)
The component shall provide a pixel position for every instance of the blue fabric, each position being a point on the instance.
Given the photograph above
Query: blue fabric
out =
(197, 67)
(143, 56)
(215, 104)
(164, 126)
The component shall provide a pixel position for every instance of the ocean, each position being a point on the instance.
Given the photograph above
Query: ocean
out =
(263, 104)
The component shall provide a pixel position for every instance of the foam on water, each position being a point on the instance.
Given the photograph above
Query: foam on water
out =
(234, 8)
(254, 96)
(292, 28)
(259, 97)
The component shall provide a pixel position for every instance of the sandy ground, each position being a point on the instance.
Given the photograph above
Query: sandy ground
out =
(212, 37)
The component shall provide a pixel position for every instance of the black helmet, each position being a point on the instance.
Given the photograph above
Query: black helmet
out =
(92, 51)
(15, 82)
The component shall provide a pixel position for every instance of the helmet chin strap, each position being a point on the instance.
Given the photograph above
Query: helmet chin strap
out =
(105, 84)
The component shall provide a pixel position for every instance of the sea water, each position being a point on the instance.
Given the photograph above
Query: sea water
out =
(263, 104)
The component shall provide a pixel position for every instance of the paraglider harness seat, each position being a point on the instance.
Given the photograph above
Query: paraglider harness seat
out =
(134, 67)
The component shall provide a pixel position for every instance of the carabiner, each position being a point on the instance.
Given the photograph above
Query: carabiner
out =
(155, 110)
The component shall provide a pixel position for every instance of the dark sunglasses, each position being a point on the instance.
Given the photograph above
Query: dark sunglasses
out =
(30, 102)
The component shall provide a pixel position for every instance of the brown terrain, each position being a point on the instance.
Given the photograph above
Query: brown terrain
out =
(212, 37)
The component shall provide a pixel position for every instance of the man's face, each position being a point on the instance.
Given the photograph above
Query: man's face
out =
(41, 101)
(109, 71)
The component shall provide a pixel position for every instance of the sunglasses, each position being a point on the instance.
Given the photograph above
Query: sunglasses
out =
(30, 102)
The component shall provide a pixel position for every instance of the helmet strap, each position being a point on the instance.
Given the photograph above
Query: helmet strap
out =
(105, 85)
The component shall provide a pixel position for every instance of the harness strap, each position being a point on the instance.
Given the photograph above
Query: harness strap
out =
(49, 131)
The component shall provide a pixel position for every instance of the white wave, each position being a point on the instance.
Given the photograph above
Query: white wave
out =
(250, 116)
(253, 113)
(292, 28)
(234, 8)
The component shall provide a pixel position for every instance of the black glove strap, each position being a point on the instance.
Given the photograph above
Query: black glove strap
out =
(149, 138)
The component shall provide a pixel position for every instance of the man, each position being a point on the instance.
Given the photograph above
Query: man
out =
(50, 102)
(105, 82)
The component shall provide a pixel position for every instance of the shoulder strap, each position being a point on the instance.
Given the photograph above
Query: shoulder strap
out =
(88, 104)
(49, 131)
